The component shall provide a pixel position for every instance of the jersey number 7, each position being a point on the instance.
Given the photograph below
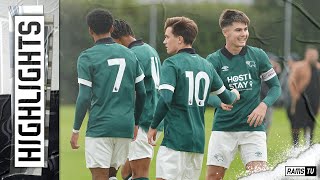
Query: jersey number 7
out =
(122, 65)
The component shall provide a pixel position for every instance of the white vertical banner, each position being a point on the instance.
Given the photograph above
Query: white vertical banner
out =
(29, 91)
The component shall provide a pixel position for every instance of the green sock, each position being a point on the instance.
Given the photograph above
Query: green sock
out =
(141, 178)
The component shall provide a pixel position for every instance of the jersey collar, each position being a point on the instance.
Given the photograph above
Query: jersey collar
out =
(107, 40)
(138, 42)
(227, 54)
(187, 50)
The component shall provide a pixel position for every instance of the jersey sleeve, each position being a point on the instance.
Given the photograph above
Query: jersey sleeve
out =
(168, 76)
(268, 75)
(82, 105)
(139, 73)
(266, 70)
(83, 67)
(167, 87)
(220, 90)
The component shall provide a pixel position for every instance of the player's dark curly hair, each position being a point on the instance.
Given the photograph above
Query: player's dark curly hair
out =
(229, 16)
(100, 21)
(121, 28)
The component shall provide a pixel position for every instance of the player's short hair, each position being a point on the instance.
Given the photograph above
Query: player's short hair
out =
(121, 28)
(229, 16)
(183, 26)
(100, 21)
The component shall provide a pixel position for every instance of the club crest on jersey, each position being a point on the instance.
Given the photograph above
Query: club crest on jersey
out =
(219, 157)
(251, 63)
(225, 68)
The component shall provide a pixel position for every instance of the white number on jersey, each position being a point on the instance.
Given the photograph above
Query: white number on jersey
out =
(194, 86)
(155, 71)
(122, 65)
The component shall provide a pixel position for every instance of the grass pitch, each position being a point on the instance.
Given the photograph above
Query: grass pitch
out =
(72, 162)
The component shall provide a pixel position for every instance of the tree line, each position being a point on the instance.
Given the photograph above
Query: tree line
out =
(266, 28)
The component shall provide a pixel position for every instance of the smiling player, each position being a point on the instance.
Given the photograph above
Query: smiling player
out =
(240, 67)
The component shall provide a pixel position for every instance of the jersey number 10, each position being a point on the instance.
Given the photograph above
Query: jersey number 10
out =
(194, 87)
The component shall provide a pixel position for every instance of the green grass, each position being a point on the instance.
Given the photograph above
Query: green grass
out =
(72, 162)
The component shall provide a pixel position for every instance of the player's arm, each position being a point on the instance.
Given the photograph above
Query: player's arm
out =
(216, 102)
(268, 75)
(162, 107)
(82, 105)
(218, 88)
(167, 87)
(140, 100)
(274, 91)
(161, 111)
(83, 99)
(140, 93)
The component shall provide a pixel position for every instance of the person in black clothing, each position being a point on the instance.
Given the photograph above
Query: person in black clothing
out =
(304, 80)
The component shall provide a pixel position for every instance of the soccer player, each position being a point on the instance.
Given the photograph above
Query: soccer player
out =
(109, 76)
(141, 152)
(240, 67)
(186, 81)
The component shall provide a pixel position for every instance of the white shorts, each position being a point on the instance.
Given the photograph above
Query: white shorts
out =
(140, 148)
(178, 165)
(106, 152)
(223, 146)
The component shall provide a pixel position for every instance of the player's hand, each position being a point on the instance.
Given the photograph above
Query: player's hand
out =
(237, 94)
(152, 135)
(257, 115)
(226, 107)
(74, 141)
(135, 133)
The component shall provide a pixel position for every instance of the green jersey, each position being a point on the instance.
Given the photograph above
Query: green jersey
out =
(111, 70)
(190, 78)
(243, 72)
(150, 64)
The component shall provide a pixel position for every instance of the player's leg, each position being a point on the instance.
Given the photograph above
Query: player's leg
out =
(169, 164)
(256, 166)
(221, 150)
(120, 152)
(113, 173)
(126, 171)
(99, 173)
(140, 155)
(215, 172)
(140, 168)
(253, 149)
(193, 166)
(98, 153)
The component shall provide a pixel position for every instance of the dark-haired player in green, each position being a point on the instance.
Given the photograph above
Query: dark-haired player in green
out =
(141, 152)
(109, 77)
(186, 81)
(240, 67)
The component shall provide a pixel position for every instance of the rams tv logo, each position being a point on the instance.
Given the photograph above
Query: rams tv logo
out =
(300, 170)
(29, 91)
